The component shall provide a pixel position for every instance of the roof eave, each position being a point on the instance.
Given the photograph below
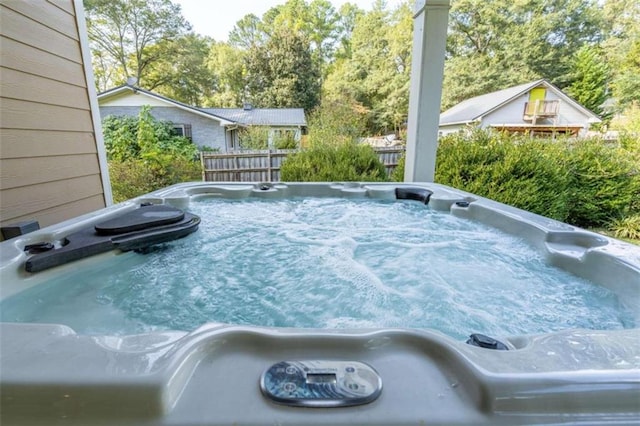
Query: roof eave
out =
(117, 90)
(458, 123)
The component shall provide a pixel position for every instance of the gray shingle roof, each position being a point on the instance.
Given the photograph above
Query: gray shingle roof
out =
(472, 109)
(262, 116)
(293, 117)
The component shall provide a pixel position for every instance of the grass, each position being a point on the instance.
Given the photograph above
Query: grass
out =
(612, 234)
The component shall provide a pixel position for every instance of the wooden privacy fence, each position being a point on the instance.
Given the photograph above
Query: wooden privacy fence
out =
(264, 165)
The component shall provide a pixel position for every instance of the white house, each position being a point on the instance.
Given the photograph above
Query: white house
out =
(536, 108)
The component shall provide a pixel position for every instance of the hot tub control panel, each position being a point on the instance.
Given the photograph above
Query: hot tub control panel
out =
(321, 383)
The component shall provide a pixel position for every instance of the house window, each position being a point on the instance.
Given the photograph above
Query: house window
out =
(183, 130)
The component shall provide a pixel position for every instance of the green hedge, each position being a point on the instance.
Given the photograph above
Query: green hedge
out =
(585, 182)
(521, 173)
(348, 162)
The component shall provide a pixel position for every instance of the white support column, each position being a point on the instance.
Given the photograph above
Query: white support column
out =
(427, 68)
(93, 102)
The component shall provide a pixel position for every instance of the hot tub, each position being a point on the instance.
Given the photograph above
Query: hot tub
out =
(236, 373)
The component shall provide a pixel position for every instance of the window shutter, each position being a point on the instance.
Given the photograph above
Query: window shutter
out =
(187, 132)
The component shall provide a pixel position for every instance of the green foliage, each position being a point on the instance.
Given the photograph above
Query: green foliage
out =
(281, 72)
(284, 139)
(377, 72)
(120, 137)
(627, 227)
(347, 162)
(226, 65)
(128, 34)
(144, 155)
(248, 31)
(605, 183)
(499, 43)
(317, 20)
(398, 173)
(144, 137)
(257, 137)
(589, 78)
(583, 182)
(133, 177)
(254, 137)
(622, 48)
(628, 126)
(520, 172)
(336, 123)
(181, 70)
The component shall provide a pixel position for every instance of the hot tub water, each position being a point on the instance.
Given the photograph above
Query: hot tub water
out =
(325, 263)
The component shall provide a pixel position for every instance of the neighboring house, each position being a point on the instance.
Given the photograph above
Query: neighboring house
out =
(216, 128)
(536, 108)
(52, 160)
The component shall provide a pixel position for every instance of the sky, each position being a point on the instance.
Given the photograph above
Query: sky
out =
(216, 18)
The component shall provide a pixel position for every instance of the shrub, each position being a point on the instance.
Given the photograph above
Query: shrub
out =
(128, 137)
(605, 183)
(583, 182)
(254, 137)
(144, 155)
(132, 178)
(285, 140)
(520, 172)
(336, 123)
(348, 162)
(398, 173)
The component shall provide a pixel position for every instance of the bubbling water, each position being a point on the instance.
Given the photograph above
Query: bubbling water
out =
(325, 263)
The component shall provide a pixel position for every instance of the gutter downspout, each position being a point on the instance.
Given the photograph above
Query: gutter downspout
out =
(427, 69)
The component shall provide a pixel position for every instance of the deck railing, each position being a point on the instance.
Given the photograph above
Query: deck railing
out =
(540, 109)
(264, 165)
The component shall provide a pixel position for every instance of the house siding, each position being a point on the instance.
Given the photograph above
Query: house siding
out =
(512, 113)
(449, 129)
(50, 168)
(205, 131)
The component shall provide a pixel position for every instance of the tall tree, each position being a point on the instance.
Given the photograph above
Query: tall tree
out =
(181, 71)
(502, 42)
(347, 17)
(589, 79)
(126, 31)
(226, 64)
(316, 20)
(248, 31)
(622, 48)
(281, 72)
(377, 73)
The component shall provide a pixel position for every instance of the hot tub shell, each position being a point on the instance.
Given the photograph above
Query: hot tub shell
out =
(49, 374)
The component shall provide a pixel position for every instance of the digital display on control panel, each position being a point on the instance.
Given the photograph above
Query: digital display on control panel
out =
(321, 378)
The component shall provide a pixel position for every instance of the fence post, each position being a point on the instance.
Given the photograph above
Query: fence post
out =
(204, 173)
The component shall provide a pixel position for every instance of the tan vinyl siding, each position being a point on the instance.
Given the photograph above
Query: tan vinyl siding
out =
(29, 60)
(33, 88)
(20, 143)
(38, 198)
(19, 172)
(65, 211)
(49, 166)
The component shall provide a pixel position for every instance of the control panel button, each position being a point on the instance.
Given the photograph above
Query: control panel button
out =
(321, 383)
